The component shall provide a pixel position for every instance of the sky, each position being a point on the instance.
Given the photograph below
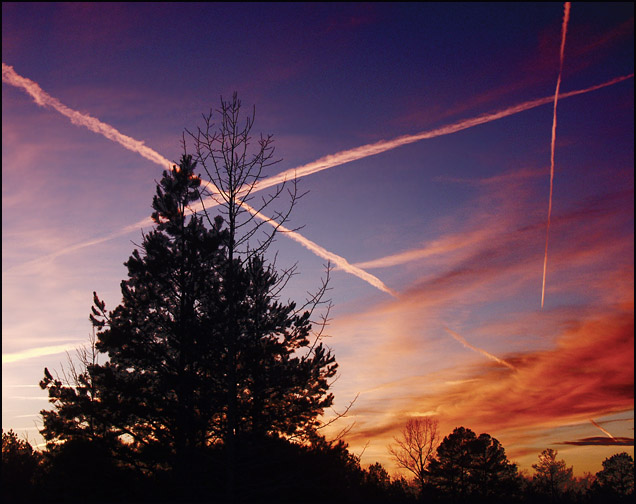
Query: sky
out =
(434, 154)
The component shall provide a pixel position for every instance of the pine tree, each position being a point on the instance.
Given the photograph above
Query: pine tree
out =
(201, 351)
(473, 468)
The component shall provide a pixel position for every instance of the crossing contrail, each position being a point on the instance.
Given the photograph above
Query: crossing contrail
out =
(564, 29)
(478, 350)
(42, 98)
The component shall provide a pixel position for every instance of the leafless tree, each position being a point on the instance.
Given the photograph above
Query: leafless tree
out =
(415, 446)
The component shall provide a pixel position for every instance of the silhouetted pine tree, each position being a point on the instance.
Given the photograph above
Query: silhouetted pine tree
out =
(201, 353)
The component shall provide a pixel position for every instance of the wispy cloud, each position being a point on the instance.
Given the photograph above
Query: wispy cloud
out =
(601, 441)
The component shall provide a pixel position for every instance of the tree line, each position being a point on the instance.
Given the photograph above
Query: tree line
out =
(205, 385)
(465, 468)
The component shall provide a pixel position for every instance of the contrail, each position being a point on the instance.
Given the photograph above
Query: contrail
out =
(37, 352)
(437, 247)
(42, 98)
(481, 351)
(564, 29)
(601, 428)
(46, 100)
(339, 261)
(367, 150)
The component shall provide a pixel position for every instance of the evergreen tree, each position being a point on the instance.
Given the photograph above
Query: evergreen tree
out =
(469, 468)
(615, 482)
(201, 351)
(493, 477)
(449, 471)
(20, 468)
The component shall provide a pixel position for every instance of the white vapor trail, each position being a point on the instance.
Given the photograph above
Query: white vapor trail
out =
(46, 100)
(339, 261)
(37, 352)
(564, 29)
(367, 150)
(478, 350)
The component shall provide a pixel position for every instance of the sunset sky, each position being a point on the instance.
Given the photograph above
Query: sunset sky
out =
(424, 136)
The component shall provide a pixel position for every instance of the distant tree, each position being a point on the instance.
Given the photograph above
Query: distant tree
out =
(20, 468)
(415, 446)
(552, 477)
(616, 480)
(378, 476)
(201, 351)
(474, 469)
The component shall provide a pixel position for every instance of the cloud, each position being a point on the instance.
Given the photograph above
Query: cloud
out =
(601, 441)
(588, 373)
(572, 362)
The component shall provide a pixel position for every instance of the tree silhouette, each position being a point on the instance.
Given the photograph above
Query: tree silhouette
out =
(552, 477)
(201, 351)
(615, 481)
(492, 476)
(20, 467)
(450, 469)
(468, 468)
(415, 447)
(254, 401)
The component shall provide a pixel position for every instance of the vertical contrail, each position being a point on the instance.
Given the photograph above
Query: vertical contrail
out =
(601, 428)
(564, 29)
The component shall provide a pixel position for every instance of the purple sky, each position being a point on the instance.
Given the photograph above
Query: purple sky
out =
(453, 223)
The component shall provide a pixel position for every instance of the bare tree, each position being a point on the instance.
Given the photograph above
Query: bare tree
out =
(235, 164)
(415, 446)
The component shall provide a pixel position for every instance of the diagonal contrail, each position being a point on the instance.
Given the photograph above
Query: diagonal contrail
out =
(601, 429)
(46, 100)
(478, 350)
(339, 261)
(564, 29)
